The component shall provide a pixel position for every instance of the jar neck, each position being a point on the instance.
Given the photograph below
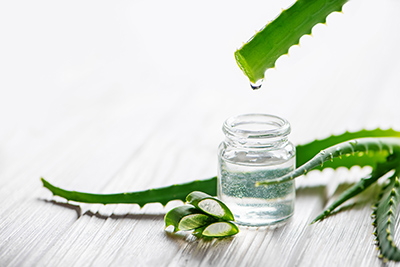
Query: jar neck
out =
(256, 131)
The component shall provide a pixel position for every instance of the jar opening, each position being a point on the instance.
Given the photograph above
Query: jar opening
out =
(257, 126)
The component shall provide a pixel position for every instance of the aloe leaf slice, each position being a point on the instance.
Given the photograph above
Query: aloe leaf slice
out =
(187, 217)
(210, 205)
(220, 229)
(198, 232)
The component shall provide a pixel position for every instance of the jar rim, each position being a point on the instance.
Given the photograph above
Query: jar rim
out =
(256, 125)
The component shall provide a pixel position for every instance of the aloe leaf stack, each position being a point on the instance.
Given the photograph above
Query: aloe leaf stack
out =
(206, 215)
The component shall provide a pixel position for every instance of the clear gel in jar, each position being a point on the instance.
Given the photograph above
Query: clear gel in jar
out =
(256, 148)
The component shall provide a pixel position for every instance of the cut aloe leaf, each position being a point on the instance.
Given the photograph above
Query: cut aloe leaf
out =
(210, 205)
(220, 229)
(187, 217)
(198, 232)
(274, 40)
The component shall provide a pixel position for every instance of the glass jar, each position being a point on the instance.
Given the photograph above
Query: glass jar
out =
(256, 148)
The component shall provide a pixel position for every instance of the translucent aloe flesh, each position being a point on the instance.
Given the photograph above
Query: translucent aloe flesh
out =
(210, 205)
(275, 39)
(220, 229)
(185, 218)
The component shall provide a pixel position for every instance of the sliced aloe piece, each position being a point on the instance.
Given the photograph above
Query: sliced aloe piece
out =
(220, 229)
(210, 205)
(198, 232)
(187, 217)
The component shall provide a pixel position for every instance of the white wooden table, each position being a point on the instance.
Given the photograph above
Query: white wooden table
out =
(113, 96)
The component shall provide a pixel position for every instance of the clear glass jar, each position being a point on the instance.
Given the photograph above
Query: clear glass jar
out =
(256, 148)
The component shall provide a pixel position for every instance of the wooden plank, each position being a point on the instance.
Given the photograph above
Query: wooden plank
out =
(339, 238)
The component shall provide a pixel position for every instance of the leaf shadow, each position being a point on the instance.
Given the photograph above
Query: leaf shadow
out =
(358, 202)
(76, 208)
(317, 190)
(131, 216)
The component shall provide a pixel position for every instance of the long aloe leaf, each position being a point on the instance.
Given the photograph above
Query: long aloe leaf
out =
(179, 191)
(261, 52)
(307, 151)
(386, 146)
(160, 195)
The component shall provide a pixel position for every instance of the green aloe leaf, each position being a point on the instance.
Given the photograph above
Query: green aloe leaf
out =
(187, 217)
(220, 229)
(356, 189)
(275, 39)
(210, 205)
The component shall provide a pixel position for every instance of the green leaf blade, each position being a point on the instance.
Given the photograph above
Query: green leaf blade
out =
(262, 51)
(355, 189)
(385, 146)
(161, 195)
(307, 151)
(385, 214)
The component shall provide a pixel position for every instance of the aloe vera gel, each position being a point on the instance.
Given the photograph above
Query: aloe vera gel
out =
(256, 148)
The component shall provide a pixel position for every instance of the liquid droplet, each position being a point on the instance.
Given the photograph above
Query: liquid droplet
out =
(256, 85)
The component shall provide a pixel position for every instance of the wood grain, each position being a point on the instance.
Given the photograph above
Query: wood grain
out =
(120, 110)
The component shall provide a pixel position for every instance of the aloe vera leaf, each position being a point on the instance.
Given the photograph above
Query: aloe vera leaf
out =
(179, 191)
(219, 229)
(307, 151)
(385, 145)
(275, 39)
(158, 195)
(210, 205)
(198, 232)
(187, 217)
(355, 189)
(385, 218)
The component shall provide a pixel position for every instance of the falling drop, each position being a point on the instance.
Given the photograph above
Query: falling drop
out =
(256, 85)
